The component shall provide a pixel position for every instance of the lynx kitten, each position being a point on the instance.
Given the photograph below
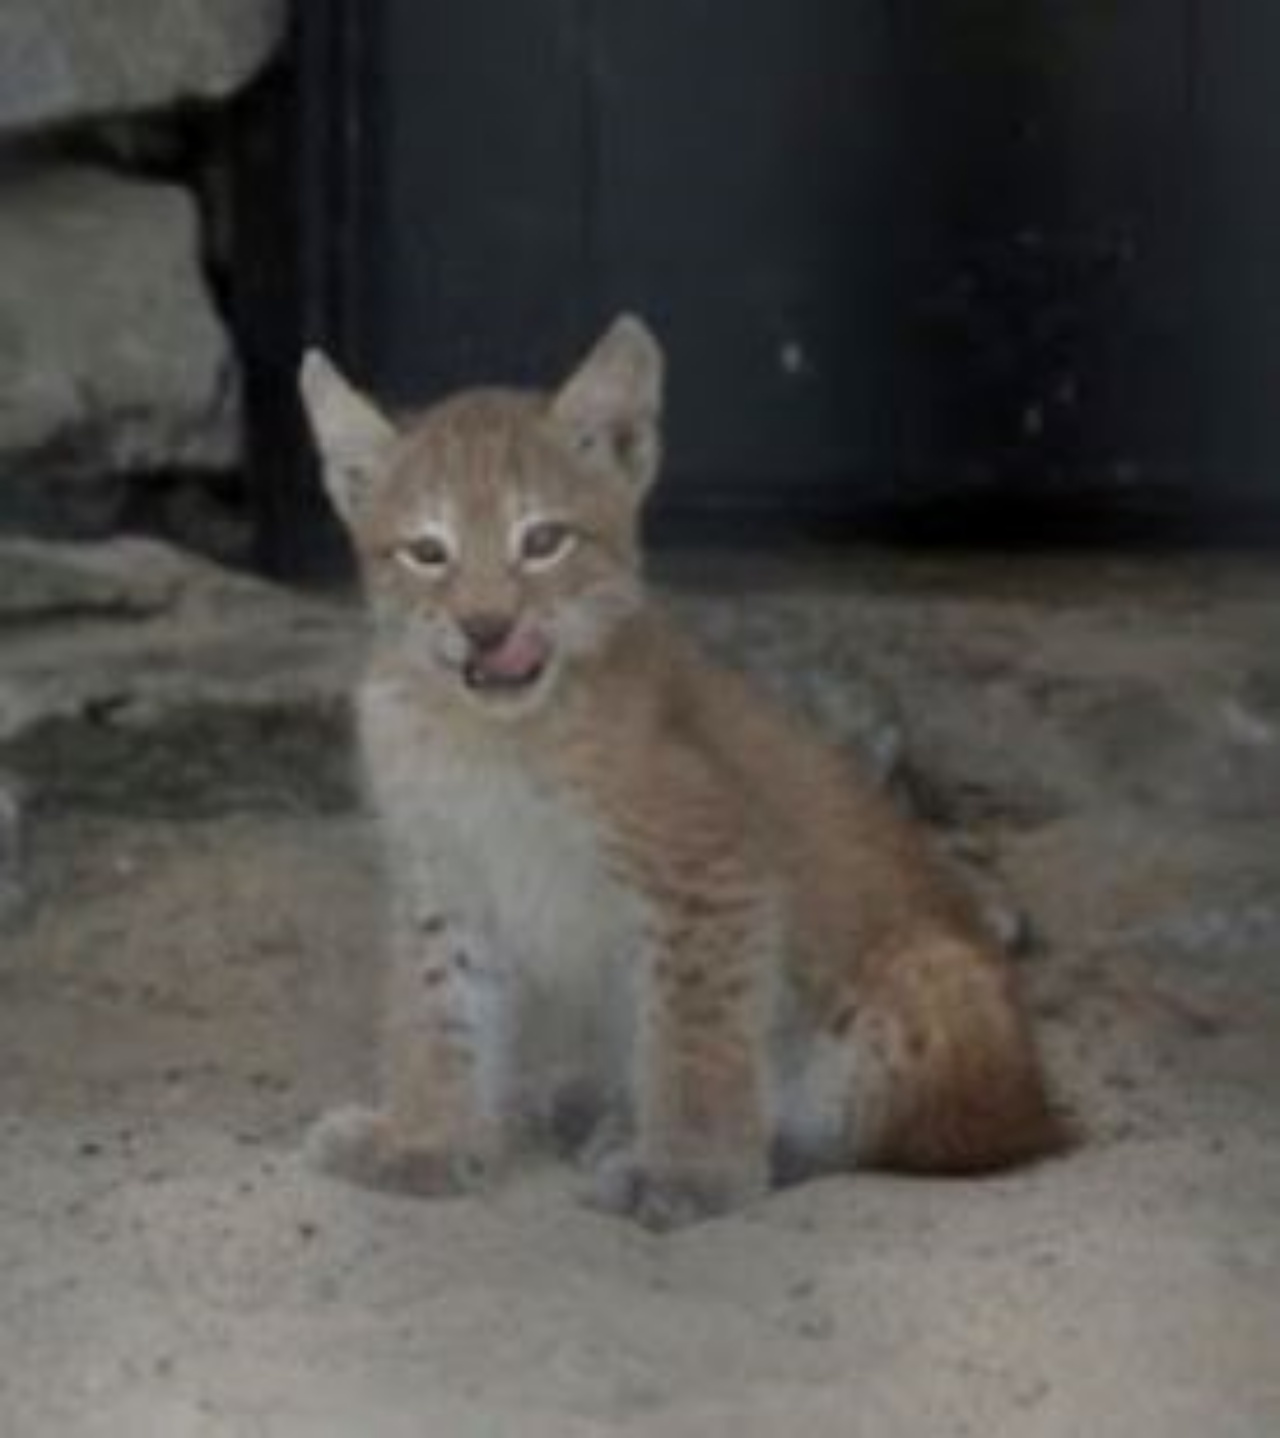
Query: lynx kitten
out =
(631, 901)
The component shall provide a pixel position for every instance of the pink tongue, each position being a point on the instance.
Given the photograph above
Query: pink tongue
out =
(517, 657)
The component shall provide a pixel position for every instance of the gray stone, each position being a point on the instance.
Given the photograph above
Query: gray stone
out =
(138, 680)
(1215, 750)
(65, 60)
(112, 358)
(12, 869)
(790, 652)
(123, 578)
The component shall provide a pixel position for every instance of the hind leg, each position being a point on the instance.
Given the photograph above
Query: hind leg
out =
(923, 1063)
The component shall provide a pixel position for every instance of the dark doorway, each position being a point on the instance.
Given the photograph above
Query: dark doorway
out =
(981, 268)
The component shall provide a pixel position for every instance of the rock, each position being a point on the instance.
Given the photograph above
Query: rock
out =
(134, 373)
(66, 60)
(787, 648)
(1215, 751)
(12, 876)
(123, 578)
(138, 680)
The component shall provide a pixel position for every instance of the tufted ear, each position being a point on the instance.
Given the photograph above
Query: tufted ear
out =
(610, 407)
(353, 436)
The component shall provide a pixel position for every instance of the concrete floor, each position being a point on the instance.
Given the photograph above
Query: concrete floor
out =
(187, 940)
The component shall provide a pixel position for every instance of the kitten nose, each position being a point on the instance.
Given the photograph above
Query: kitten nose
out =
(486, 632)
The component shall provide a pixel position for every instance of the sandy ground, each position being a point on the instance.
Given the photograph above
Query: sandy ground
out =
(180, 995)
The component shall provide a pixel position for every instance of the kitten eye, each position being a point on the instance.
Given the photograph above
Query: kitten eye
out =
(545, 541)
(427, 553)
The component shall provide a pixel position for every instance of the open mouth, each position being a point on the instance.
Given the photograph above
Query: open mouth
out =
(476, 676)
(512, 667)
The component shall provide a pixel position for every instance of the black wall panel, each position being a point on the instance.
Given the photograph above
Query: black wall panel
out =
(1010, 264)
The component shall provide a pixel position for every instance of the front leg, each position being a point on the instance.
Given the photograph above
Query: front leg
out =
(438, 1127)
(702, 1008)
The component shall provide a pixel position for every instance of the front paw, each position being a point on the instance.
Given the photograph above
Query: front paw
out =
(363, 1146)
(666, 1196)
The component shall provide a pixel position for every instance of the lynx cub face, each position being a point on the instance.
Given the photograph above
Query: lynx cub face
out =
(497, 532)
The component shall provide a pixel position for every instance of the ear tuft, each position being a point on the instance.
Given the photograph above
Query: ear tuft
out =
(352, 434)
(611, 406)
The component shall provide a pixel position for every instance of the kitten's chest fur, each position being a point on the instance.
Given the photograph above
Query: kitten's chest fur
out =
(529, 854)
(515, 857)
